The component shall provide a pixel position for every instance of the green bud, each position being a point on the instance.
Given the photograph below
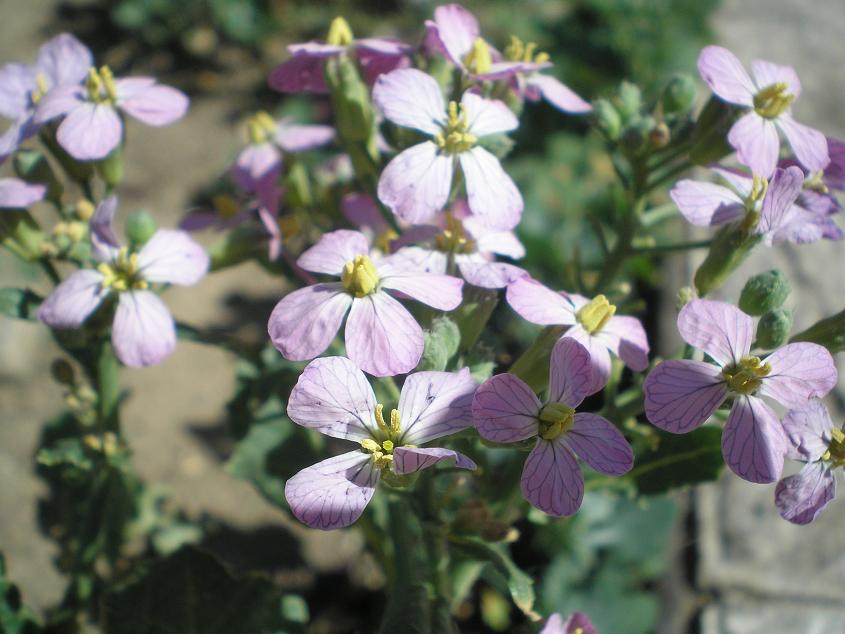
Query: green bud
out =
(728, 250)
(33, 167)
(63, 372)
(679, 94)
(21, 234)
(607, 118)
(533, 366)
(630, 100)
(635, 135)
(441, 344)
(140, 227)
(773, 328)
(829, 332)
(764, 292)
(110, 168)
(709, 138)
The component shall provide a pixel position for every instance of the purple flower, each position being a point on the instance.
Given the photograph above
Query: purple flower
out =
(62, 61)
(506, 410)
(577, 623)
(594, 323)
(361, 211)
(682, 394)
(92, 126)
(816, 441)
(143, 332)
(768, 99)
(304, 72)
(333, 396)
(834, 173)
(786, 209)
(416, 184)
(18, 194)
(382, 337)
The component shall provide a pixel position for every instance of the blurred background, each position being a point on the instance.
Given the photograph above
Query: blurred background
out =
(715, 560)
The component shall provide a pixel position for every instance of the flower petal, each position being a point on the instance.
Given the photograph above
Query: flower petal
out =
(706, 204)
(150, 102)
(382, 337)
(143, 332)
(682, 394)
(489, 274)
(442, 292)
(304, 322)
(17, 81)
(809, 145)
(753, 441)
(334, 397)
(435, 404)
(808, 429)
(626, 338)
(333, 493)
(64, 60)
(18, 194)
(726, 76)
(766, 73)
(801, 497)
(491, 194)
(90, 131)
(578, 623)
(570, 372)
(257, 166)
(535, 303)
(783, 191)
(487, 116)
(413, 459)
(415, 184)
(333, 250)
(597, 442)
(455, 30)
(301, 73)
(505, 409)
(720, 329)
(558, 94)
(496, 241)
(300, 138)
(411, 98)
(72, 301)
(800, 372)
(361, 211)
(756, 142)
(171, 256)
(552, 480)
(599, 356)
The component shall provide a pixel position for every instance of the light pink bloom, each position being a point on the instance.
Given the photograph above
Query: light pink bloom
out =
(767, 98)
(415, 185)
(143, 331)
(682, 394)
(382, 337)
(18, 194)
(333, 396)
(576, 623)
(594, 323)
(506, 410)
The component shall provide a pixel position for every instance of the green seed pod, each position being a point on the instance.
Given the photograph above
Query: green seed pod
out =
(773, 328)
(764, 292)
(607, 118)
(709, 137)
(140, 227)
(679, 94)
(630, 100)
(110, 168)
(829, 332)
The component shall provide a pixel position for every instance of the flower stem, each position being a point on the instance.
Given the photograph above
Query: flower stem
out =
(670, 248)
(108, 389)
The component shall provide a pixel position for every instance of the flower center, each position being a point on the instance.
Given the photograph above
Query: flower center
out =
(773, 100)
(753, 202)
(455, 136)
(595, 315)
(360, 276)
(100, 85)
(260, 127)
(836, 449)
(815, 183)
(478, 60)
(339, 33)
(385, 239)
(555, 419)
(41, 88)
(454, 239)
(123, 273)
(519, 51)
(746, 376)
(383, 450)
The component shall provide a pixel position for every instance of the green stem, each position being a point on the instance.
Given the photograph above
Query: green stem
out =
(670, 248)
(108, 389)
(50, 270)
(622, 250)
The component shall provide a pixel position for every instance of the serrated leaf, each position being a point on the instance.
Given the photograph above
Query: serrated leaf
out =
(680, 460)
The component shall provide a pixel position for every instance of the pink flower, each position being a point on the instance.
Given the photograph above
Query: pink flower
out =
(333, 396)
(506, 410)
(834, 173)
(382, 337)
(576, 623)
(594, 323)
(768, 99)
(682, 394)
(143, 332)
(416, 184)
(18, 194)
(92, 126)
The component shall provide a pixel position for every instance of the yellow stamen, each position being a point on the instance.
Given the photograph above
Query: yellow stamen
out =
(370, 445)
(84, 209)
(746, 376)
(455, 136)
(595, 315)
(382, 453)
(518, 51)
(76, 231)
(815, 183)
(384, 240)
(478, 60)
(360, 276)
(339, 33)
(454, 238)
(123, 273)
(40, 88)
(100, 85)
(260, 127)
(836, 448)
(380, 419)
(773, 100)
(555, 419)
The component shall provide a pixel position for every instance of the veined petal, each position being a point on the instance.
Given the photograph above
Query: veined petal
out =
(442, 292)
(552, 480)
(538, 304)
(720, 329)
(415, 184)
(723, 72)
(59, 101)
(766, 73)
(173, 257)
(153, 103)
(491, 194)
(682, 394)
(64, 60)
(706, 204)
(301, 73)
(570, 372)
(487, 116)
(413, 459)
(558, 94)
(412, 99)
(333, 493)
(756, 142)
(17, 81)
(333, 396)
(626, 338)
(72, 301)
(783, 191)
(382, 337)
(738, 181)
(753, 441)
(808, 429)
(18, 194)
(143, 332)
(104, 241)
(435, 404)
(599, 356)
(455, 30)
(489, 240)
(809, 145)
(489, 274)
(300, 138)
(90, 131)
(505, 409)
(333, 250)
(800, 372)
(597, 442)
(304, 322)
(801, 497)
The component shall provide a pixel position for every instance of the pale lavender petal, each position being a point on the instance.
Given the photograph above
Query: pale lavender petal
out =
(720, 329)
(554, 625)
(725, 75)
(739, 181)
(558, 94)
(382, 337)
(800, 371)
(90, 131)
(756, 142)
(18, 132)
(333, 250)
(333, 396)
(578, 623)
(801, 497)
(333, 493)
(809, 145)
(706, 204)
(374, 64)
(411, 98)
(766, 73)
(599, 356)
(538, 304)
(17, 81)
(570, 372)
(489, 274)
(257, 165)
(172, 256)
(508, 70)
(505, 409)
(150, 102)
(385, 46)
(413, 459)
(489, 240)
(808, 429)
(319, 50)
(300, 138)
(834, 174)
(104, 241)
(18, 194)
(626, 338)
(361, 211)
(680, 395)
(491, 194)
(552, 480)
(72, 301)
(435, 404)
(143, 332)
(784, 189)
(301, 73)
(415, 185)
(442, 292)
(597, 442)
(304, 322)
(455, 30)
(59, 101)
(64, 60)
(753, 441)
(487, 116)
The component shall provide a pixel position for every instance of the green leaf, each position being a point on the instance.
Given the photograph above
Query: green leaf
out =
(15, 618)
(680, 460)
(441, 344)
(19, 303)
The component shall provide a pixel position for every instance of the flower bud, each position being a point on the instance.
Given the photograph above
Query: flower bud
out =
(607, 118)
(111, 167)
(709, 138)
(140, 227)
(728, 250)
(679, 94)
(636, 134)
(764, 292)
(773, 328)
(829, 332)
(630, 100)
(32, 166)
